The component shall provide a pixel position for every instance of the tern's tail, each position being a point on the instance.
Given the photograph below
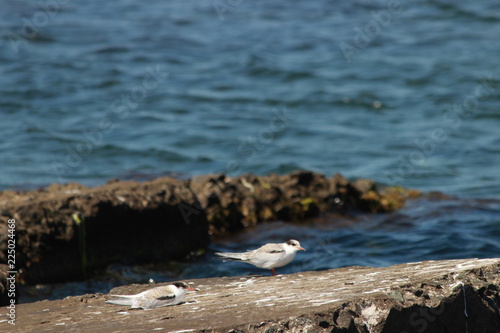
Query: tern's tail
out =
(122, 300)
(230, 256)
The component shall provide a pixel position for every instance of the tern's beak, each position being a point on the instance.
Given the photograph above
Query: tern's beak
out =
(192, 289)
(301, 248)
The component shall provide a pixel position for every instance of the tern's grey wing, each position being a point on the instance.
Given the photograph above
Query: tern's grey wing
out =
(156, 297)
(164, 292)
(231, 256)
(121, 299)
(267, 252)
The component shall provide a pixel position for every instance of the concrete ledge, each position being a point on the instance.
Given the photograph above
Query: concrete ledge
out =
(430, 296)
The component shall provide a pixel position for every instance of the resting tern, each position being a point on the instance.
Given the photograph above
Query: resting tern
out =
(154, 298)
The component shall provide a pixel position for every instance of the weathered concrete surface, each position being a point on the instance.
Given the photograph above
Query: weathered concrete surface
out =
(432, 296)
(65, 232)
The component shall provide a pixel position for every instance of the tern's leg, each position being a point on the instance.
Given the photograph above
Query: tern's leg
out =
(273, 271)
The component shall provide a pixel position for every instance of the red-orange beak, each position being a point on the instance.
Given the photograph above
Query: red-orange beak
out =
(192, 289)
(301, 248)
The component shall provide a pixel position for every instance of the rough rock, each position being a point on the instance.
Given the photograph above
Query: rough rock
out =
(4, 285)
(65, 232)
(235, 203)
(431, 296)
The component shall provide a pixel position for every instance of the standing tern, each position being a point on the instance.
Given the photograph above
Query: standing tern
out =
(154, 298)
(268, 256)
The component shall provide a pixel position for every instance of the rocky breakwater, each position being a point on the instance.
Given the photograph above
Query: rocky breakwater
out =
(432, 297)
(65, 232)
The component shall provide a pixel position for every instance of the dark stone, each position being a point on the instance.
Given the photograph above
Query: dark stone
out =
(66, 232)
(232, 204)
(4, 286)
